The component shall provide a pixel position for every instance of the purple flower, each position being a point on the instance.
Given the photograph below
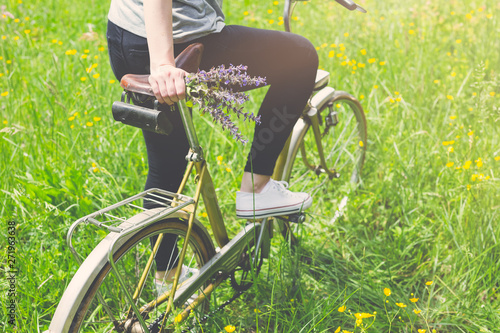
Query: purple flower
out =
(212, 92)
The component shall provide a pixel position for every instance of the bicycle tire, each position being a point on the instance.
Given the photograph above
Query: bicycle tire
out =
(94, 275)
(344, 155)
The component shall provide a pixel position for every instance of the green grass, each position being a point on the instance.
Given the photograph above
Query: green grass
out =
(426, 74)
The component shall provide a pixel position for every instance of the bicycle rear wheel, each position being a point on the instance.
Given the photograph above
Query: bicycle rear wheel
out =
(88, 314)
(343, 136)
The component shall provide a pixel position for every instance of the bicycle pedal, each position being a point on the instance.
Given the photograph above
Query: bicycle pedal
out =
(294, 218)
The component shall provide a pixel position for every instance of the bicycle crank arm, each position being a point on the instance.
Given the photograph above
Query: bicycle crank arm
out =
(225, 261)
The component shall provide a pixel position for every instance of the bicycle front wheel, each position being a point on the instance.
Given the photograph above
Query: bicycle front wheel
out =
(103, 306)
(338, 147)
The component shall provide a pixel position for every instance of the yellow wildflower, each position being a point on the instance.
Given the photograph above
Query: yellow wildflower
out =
(5, 93)
(361, 316)
(467, 165)
(90, 124)
(497, 158)
(96, 119)
(471, 133)
(413, 300)
(492, 94)
(96, 75)
(229, 328)
(449, 164)
(449, 97)
(417, 311)
(363, 52)
(178, 318)
(421, 331)
(361, 144)
(342, 308)
(382, 63)
(387, 292)
(401, 305)
(429, 283)
(371, 60)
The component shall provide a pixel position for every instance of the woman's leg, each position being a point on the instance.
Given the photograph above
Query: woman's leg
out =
(129, 55)
(289, 62)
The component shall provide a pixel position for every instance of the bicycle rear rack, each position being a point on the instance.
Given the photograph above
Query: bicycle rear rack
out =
(114, 217)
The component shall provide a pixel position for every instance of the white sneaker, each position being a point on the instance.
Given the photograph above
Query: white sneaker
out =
(186, 273)
(273, 200)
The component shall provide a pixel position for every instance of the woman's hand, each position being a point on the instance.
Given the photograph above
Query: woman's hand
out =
(168, 84)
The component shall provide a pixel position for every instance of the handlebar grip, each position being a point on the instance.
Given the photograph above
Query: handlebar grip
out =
(348, 4)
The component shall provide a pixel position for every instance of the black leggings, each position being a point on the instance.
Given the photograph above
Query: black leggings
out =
(289, 63)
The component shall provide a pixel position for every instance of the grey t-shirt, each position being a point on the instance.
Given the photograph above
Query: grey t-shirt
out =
(191, 18)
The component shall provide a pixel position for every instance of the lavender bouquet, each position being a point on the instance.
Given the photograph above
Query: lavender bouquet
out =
(212, 92)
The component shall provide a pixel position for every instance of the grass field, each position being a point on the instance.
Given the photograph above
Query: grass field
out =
(417, 249)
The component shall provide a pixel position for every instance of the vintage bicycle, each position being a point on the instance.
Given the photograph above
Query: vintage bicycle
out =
(114, 290)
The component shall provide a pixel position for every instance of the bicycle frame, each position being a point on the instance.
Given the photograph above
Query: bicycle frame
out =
(230, 251)
(229, 256)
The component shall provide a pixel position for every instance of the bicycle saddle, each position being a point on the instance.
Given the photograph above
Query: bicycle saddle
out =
(188, 60)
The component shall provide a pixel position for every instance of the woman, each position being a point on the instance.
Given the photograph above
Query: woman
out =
(144, 36)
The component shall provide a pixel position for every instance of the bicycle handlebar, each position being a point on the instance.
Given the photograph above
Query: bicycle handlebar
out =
(351, 5)
(287, 10)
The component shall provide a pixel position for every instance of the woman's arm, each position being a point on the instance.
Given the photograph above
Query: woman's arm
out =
(166, 80)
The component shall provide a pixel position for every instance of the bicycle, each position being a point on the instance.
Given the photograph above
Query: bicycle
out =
(125, 301)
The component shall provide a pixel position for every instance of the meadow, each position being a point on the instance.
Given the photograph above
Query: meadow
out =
(417, 248)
